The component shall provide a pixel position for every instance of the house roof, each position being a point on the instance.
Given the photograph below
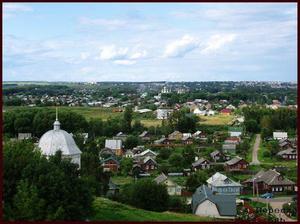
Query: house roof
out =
(288, 151)
(147, 151)
(199, 162)
(143, 134)
(225, 110)
(220, 180)
(110, 158)
(113, 143)
(234, 160)
(225, 204)
(159, 141)
(161, 178)
(148, 158)
(279, 134)
(228, 146)
(106, 151)
(270, 177)
(214, 153)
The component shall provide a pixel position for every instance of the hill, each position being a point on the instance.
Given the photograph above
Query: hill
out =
(107, 210)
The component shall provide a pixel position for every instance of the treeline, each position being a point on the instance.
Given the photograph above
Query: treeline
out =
(39, 90)
(39, 120)
(266, 120)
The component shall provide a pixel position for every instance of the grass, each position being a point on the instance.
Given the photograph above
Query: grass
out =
(107, 210)
(249, 154)
(120, 180)
(218, 119)
(273, 161)
(151, 122)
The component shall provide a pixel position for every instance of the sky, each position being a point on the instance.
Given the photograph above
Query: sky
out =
(149, 42)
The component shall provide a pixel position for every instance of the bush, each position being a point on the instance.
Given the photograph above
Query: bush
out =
(145, 194)
(266, 154)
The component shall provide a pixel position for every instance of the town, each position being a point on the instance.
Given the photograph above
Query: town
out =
(208, 150)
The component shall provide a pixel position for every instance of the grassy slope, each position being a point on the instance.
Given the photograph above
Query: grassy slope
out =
(107, 210)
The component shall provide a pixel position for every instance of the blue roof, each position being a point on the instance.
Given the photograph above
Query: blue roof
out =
(226, 204)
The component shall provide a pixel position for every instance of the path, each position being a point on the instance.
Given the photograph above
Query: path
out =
(255, 150)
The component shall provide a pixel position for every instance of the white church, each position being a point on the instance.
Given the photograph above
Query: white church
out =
(58, 139)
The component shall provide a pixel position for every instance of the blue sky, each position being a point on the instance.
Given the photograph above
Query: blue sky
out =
(150, 42)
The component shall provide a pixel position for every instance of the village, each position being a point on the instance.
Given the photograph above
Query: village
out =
(203, 166)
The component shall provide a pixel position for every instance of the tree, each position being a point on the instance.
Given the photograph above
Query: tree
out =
(95, 128)
(164, 153)
(251, 126)
(196, 180)
(127, 119)
(126, 165)
(176, 160)
(131, 141)
(26, 203)
(53, 185)
(146, 194)
(188, 155)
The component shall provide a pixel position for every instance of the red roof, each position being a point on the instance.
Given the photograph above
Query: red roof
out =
(225, 111)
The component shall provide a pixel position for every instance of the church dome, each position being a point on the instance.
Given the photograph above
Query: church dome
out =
(58, 139)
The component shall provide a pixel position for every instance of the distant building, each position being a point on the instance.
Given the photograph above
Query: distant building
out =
(223, 185)
(271, 180)
(235, 131)
(201, 164)
(110, 164)
(205, 203)
(22, 136)
(173, 188)
(225, 111)
(236, 164)
(288, 154)
(277, 135)
(229, 148)
(162, 114)
(115, 145)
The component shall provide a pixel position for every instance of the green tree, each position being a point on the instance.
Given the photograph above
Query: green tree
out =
(176, 160)
(131, 141)
(127, 119)
(146, 194)
(196, 180)
(126, 165)
(26, 203)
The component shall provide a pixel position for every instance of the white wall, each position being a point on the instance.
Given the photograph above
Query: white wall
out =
(207, 208)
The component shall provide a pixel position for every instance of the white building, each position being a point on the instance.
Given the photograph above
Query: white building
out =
(279, 135)
(58, 139)
(163, 113)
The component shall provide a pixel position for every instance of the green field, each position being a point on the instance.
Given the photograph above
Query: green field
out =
(218, 119)
(107, 210)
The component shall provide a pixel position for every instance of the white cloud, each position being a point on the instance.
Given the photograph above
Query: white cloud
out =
(217, 41)
(139, 54)
(125, 62)
(179, 48)
(122, 55)
(111, 52)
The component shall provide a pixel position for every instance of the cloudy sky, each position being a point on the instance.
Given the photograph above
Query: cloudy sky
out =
(150, 42)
